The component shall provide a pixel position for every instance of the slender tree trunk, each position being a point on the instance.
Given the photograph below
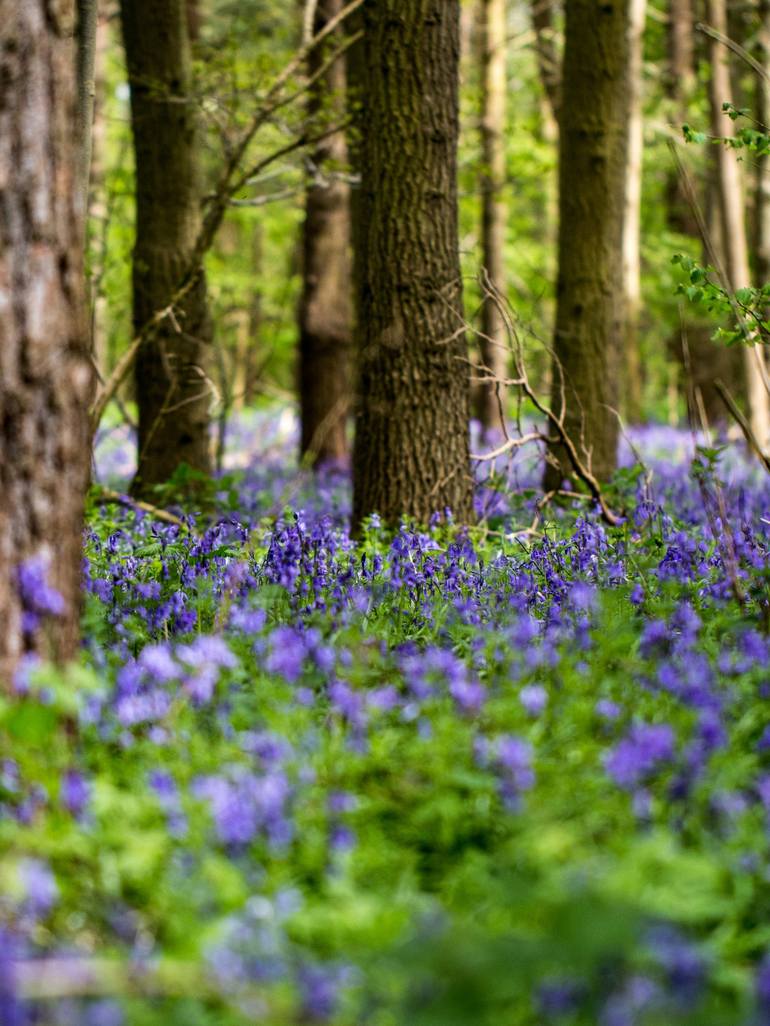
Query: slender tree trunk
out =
(45, 374)
(632, 269)
(732, 205)
(548, 63)
(87, 16)
(490, 398)
(98, 205)
(592, 164)
(172, 389)
(325, 312)
(680, 84)
(255, 315)
(762, 196)
(411, 449)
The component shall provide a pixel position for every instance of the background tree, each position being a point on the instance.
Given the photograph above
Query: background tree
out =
(325, 313)
(592, 163)
(490, 397)
(172, 389)
(732, 207)
(632, 269)
(87, 18)
(411, 444)
(45, 376)
(762, 193)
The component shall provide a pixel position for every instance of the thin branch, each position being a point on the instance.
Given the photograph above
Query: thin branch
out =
(743, 424)
(106, 496)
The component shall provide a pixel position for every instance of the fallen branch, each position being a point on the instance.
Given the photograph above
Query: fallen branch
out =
(105, 496)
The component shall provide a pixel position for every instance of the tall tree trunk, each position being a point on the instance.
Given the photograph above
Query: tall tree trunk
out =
(87, 16)
(632, 270)
(411, 449)
(592, 164)
(172, 389)
(732, 205)
(703, 362)
(490, 398)
(325, 312)
(762, 196)
(548, 63)
(98, 204)
(45, 374)
(680, 83)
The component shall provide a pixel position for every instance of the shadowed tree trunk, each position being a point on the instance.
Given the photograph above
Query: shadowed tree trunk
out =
(45, 372)
(632, 270)
(411, 448)
(325, 312)
(592, 161)
(490, 398)
(172, 389)
(732, 205)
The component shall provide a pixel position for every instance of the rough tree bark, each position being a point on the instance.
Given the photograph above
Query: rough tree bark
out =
(632, 269)
(171, 375)
(411, 451)
(45, 375)
(325, 311)
(592, 162)
(732, 205)
(490, 398)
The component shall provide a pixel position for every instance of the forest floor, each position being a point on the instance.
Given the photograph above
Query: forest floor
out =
(446, 777)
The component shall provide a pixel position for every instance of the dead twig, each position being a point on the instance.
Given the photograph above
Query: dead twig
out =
(107, 496)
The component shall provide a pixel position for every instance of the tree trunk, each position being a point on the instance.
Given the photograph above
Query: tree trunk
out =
(325, 312)
(731, 199)
(592, 163)
(45, 373)
(411, 449)
(762, 195)
(680, 83)
(490, 398)
(548, 63)
(172, 389)
(632, 270)
(86, 91)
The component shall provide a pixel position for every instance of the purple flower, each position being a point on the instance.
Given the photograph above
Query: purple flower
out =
(762, 990)
(320, 989)
(39, 886)
(287, 653)
(514, 759)
(75, 793)
(534, 698)
(639, 753)
(468, 695)
(608, 709)
(12, 1012)
(37, 596)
